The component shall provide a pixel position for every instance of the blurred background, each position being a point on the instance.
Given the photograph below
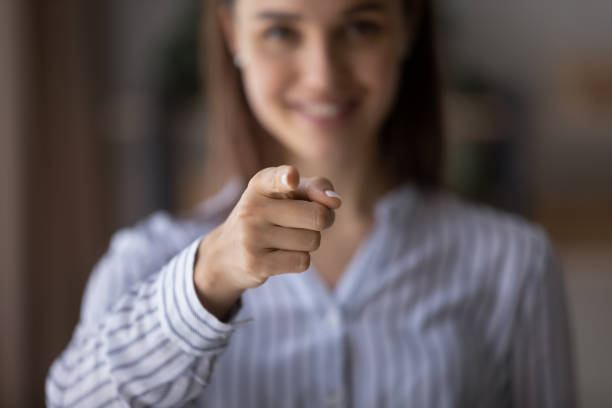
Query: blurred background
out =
(101, 123)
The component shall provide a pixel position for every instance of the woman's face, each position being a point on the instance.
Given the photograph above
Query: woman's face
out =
(320, 75)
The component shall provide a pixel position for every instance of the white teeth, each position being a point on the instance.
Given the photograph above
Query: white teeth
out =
(323, 110)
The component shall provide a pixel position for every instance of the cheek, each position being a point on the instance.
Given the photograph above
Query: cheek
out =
(381, 76)
(264, 81)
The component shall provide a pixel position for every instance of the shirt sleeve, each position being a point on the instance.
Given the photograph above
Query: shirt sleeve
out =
(156, 345)
(542, 354)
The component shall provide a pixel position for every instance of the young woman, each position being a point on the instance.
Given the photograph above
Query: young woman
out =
(277, 292)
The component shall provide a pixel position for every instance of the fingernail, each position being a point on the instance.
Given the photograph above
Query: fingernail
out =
(332, 193)
(285, 179)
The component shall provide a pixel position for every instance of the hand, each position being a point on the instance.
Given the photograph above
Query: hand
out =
(271, 231)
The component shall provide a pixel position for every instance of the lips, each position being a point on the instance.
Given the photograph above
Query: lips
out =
(325, 113)
(323, 110)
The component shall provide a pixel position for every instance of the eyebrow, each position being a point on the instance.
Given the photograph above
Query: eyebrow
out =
(356, 9)
(277, 15)
(363, 7)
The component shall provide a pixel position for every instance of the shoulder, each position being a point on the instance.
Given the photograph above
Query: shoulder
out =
(482, 224)
(486, 240)
(162, 234)
(136, 252)
(156, 236)
(501, 263)
(476, 239)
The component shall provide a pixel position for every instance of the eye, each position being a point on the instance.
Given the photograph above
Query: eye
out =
(363, 28)
(279, 33)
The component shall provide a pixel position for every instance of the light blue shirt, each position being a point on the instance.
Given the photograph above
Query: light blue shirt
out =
(445, 304)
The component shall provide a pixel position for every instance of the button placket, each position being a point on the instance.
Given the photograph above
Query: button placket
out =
(334, 326)
(333, 320)
(334, 399)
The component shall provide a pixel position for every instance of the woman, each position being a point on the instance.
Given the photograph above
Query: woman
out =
(411, 298)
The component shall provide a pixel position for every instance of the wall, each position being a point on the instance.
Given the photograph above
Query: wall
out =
(11, 132)
(550, 51)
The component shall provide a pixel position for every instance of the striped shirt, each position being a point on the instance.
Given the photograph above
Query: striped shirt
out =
(445, 304)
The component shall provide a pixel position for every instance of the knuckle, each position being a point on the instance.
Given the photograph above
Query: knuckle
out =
(331, 217)
(253, 181)
(320, 218)
(317, 180)
(322, 182)
(258, 177)
(315, 240)
(301, 261)
(247, 211)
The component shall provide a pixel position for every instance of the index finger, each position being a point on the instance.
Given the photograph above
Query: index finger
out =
(275, 182)
(320, 190)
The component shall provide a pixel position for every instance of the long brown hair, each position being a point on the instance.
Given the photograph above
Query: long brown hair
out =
(410, 141)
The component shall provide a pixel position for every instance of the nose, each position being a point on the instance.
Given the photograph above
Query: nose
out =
(323, 69)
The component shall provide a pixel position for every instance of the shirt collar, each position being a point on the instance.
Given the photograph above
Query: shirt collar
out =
(396, 203)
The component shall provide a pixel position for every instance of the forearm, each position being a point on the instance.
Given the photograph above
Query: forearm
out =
(119, 360)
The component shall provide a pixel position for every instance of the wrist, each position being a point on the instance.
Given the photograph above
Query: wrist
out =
(216, 294)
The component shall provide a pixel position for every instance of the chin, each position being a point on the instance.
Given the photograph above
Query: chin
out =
(330, 155)
(329, 146)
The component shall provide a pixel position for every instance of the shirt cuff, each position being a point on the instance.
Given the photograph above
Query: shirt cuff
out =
(182, 316)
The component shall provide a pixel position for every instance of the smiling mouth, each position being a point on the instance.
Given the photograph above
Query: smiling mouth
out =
(324, 110)
(326, 113)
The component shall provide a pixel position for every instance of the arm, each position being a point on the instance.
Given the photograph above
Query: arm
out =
(542, 351)
(156, 346)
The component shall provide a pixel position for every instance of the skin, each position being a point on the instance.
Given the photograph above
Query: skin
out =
(320, 76)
